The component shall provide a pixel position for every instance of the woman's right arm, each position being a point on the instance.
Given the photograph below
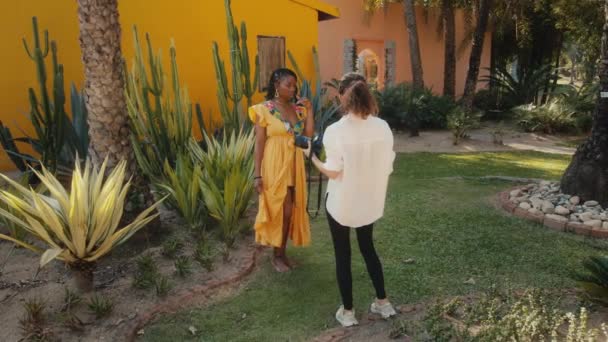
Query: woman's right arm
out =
(260, 143)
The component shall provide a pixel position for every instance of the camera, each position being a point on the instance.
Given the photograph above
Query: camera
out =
(316, 142)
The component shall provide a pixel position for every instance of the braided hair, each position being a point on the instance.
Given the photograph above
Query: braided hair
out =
(275, 77)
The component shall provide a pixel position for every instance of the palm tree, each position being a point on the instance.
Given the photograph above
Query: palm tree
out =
(104, 88)
(409, 13)
(482, 14)
(104, 84)
(587, 174)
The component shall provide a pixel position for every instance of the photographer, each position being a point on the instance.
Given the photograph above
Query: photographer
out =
(359, 160)
(279, 176)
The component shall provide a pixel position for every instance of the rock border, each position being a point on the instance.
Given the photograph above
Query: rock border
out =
(551, 221)
(186, 298)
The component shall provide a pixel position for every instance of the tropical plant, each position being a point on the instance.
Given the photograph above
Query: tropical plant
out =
(242, 84)
(594, 281)
(183, 185)
(58, 139)
(550, 118)
(160, 112)
(520, 90)
(78, 226)
(460, 121)
(226, 183)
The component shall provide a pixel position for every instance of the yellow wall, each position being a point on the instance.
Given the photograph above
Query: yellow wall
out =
(194, 24)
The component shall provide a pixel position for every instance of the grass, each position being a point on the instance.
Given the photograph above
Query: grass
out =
(445, 223)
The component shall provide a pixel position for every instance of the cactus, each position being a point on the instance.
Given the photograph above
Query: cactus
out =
(242, 85)
(159, 108)
(57, 139)
(47, 116)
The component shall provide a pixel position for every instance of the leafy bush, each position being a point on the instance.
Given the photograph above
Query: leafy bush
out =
(404, 106)
(504, 316)
(550, 118)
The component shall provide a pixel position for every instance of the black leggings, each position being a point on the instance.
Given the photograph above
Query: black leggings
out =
(341, 239)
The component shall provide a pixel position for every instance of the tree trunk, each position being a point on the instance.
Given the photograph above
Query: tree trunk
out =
(104, 88)
(412, 30)
(476, 51)
(449, 68)
(409, 12)
(587, 174)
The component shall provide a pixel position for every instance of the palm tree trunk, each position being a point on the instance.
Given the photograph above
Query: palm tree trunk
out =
(470, 85)
(412, 29)
(587, 174)
(104, 88)
(449, 68)
(104, 84)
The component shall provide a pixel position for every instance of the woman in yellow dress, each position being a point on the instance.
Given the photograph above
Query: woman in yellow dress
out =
(279, 177)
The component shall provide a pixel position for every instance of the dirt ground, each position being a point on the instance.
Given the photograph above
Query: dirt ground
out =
(20, 282)
(481, 140)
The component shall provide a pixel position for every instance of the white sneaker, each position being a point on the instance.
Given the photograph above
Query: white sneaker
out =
(385, 310)
(346, 318)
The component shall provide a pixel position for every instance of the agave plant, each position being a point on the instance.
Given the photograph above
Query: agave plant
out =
(78, 226)
(183, 184)
(226, 183)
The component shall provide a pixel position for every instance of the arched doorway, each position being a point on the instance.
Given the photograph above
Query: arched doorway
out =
(368, 65)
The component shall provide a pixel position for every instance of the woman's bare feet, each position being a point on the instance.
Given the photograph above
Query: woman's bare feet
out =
(290, 263)
(279, 261)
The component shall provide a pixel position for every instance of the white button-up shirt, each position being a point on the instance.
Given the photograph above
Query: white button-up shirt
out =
(363, 150)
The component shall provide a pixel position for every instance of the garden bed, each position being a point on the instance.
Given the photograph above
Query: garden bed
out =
(132, 307)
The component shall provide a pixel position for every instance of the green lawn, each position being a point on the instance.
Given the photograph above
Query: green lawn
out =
(445, 223)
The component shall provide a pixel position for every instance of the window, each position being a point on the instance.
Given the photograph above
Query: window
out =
(271, 53)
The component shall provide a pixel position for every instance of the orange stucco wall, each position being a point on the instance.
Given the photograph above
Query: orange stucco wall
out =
(391, 26)
(194, 24)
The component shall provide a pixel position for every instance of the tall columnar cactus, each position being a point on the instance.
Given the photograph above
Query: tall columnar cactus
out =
(58, 140)
(242, 85)
(161, 115)
(47, 115)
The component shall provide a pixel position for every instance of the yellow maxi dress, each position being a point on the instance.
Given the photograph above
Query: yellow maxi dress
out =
(282, 167)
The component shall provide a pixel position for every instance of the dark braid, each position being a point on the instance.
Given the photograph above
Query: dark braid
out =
(276, 76)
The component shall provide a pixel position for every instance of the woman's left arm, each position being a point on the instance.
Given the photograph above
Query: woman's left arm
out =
(321, 167)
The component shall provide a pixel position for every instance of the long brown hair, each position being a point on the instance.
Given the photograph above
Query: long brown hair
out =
(356, 97)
